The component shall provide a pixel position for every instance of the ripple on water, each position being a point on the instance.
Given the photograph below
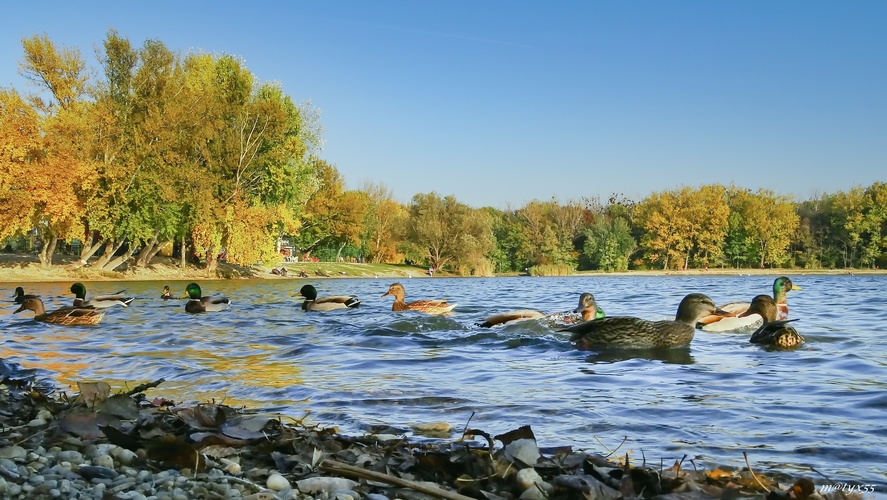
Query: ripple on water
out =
(820, 406)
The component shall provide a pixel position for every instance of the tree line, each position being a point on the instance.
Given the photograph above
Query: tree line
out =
(194, 149)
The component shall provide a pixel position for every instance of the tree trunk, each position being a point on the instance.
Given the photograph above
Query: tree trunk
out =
(763, 254)
(116, 262)
(153, 253)
(339, 253)
(184, 254)
(212, 260)
(48, 250)
(111, 248)
(149, 249)
(90, 246)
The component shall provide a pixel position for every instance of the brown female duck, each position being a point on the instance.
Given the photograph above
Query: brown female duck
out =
(636, 333)
(435, 306)
(68, 316)
(773, 334)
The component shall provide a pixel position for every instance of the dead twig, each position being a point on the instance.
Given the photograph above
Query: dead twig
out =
(753, 476)
(334, 466)
(144, 387)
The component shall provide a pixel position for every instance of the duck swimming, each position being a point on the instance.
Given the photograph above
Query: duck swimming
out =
(435, 306)
(312, 303)
(773, 334)
(20, 296)
(197, 303)
(99, 301)
(735, 321)
(68, 316)
(587, 310)
(166, 295)
(636, 333)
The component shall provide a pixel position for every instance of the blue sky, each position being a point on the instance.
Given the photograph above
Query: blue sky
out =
(503, 102)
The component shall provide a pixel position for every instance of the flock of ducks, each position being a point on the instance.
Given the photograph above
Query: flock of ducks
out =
(589, 326)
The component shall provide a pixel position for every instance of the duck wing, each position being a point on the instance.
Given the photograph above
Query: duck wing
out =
(214, 304)
(630, 332)
(768, 333)
(507, 317)
(339, 300)
(432, 306)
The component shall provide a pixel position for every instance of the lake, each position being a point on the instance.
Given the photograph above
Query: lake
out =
(823, 405)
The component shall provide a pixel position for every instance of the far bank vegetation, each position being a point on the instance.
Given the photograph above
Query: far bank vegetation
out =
(192, 155)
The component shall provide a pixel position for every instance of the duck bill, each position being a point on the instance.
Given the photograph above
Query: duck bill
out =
(796, 287)
(386, 293)
(721, 312)
(297, 294)
(184, 295)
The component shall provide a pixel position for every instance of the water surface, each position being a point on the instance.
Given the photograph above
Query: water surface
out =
(822, 406)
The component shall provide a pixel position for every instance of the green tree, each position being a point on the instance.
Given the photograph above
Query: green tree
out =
(609, 244)
(449, 233)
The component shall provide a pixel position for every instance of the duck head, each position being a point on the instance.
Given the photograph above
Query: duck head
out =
(193, 291)
(78, 290)
(307, 291)
(781, 286)
(33, 304)
(588, 307)
(695, 306)
(397, 290)
(763, 305)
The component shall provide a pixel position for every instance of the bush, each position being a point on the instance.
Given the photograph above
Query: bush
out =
(551, 270)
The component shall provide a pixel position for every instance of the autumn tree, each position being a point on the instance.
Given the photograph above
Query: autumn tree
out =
(450, 234)
(62, 176)
(550, 232)
(383, 224)
(859, 217)
(685, 226)
(21, 149)
(769, 221)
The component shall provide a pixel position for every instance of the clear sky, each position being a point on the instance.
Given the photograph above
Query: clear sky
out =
(502, 102)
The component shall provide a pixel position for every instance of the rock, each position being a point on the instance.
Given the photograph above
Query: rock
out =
(277, 482)
(13, 453)
(90, 472)
(328, 485)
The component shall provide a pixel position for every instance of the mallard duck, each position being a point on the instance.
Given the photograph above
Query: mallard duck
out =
(197, 303)
(734, 321)
(99, 301)
(68, 316)
(775, 334)
(437, 306)
(587, 310)
(631, 332)
(20, 296)
(166, 295)
(312, 303)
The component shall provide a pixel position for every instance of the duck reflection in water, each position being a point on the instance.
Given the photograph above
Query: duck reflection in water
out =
(679, 356)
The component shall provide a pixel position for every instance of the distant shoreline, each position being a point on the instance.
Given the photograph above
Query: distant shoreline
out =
(27, 269)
